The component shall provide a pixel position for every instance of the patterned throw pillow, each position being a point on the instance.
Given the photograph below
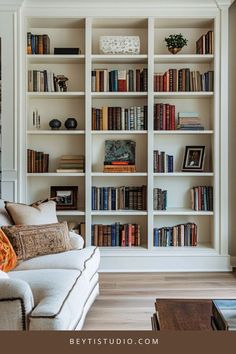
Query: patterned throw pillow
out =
(8, 257)
(38, 240)
(39, 213)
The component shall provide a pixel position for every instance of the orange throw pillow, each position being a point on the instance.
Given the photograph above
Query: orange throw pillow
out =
(8, 257)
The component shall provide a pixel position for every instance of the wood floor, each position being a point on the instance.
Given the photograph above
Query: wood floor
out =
(126, 300)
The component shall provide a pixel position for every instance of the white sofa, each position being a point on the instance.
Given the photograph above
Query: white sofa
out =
(52, 292)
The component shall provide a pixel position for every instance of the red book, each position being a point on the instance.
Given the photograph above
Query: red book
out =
(129, 235)
(165, 82)
(172, 117)
(138, 80)
(123, 238)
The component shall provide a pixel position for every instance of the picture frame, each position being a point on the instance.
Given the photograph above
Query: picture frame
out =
(194, 158)
(66, 197)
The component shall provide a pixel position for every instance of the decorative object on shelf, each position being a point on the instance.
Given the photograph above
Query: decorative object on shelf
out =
(71, 123)
(175, 42)
(66, 197)
(55, 124)
(119, 156)
(61, 81)
(67, 51)
(119, 44)
(194, 158)
(36, 119)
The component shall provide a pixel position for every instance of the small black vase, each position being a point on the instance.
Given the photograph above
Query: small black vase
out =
(71, 123)
(55, 124)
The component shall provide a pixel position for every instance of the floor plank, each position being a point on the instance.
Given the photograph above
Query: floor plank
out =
(126, 300)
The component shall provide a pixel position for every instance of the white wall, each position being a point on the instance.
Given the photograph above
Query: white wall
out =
(232, 129)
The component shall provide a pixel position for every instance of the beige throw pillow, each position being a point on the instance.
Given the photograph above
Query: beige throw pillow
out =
(36, 214)
(32, 241)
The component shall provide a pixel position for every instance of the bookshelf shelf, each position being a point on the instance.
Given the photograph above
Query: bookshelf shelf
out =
(196, 95)
(90, 110)
(55, 174)
(118, 213)
(118, 94)
(182, 211)
(56, 132)
(124, 132)
(102, 174)
(183, 58)
(185, 174)
(62, 95)
(55, 59)
(112, 58)
(183, 132)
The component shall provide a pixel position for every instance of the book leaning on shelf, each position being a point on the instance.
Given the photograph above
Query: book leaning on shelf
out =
(37, 161)
(116, 235)
(205, 44)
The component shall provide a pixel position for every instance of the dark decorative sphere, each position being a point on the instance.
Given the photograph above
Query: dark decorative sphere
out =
(71, 123)
(55, 124)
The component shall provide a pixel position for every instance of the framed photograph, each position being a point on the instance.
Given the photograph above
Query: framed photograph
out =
(66, 197)
(194, 158)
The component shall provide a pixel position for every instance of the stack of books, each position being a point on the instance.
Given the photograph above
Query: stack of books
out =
(176, 236)
(159, 199)
(116, 235)
(37, 161)
(119, 156)
(205, 44)
(71, 164)
(45, 81)
(224, 315)
(189, 121)
(119, 80)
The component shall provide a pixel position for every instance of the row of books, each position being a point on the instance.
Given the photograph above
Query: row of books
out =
(202, 198)
(183, 80)
(37, 161)
(162, 162)
(119, 80)
(176, 236)
(115, 235)
(164, 116)
(189, 121)
(159, 199)
(71, 164)
(44, 81)
(119, 198)
(205, 44)
(119, 118)
(38, 43)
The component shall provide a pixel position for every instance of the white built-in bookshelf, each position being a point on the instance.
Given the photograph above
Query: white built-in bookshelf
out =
(84, 32)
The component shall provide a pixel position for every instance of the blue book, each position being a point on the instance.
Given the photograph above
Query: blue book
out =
(113, 235)
(105, 198)
(92, 235)
(117, 225)
(156, 243)
(93, 198)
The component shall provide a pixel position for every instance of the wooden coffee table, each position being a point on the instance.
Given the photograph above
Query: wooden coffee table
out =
(182, 314)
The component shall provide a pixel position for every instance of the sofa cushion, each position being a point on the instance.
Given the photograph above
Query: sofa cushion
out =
(8, 257)
(86, 260)
(35, 214)
(32, 241)
(59, 296)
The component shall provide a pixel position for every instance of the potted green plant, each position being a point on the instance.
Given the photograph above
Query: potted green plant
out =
(175, 42)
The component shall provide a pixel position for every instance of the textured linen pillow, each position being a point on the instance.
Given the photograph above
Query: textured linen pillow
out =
(35, 214)
(31, 241)
(8, 257)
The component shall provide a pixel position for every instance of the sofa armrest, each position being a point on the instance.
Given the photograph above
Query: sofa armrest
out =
(77, 241)
(16, 302)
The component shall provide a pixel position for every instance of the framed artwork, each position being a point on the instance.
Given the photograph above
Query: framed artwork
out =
(66, 197)
(194, 157)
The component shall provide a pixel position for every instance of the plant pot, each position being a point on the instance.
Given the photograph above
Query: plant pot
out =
(174, 50)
